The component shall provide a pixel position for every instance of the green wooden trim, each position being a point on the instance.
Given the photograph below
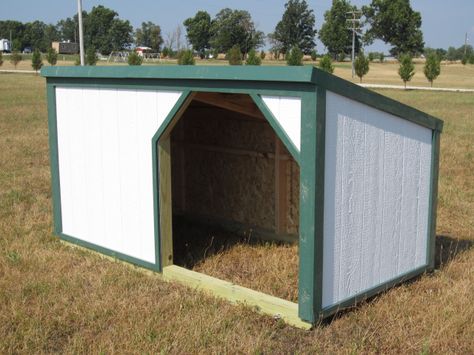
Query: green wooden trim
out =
(280, 132)
(109, 252)
(154, 146)
(375, 100)
(205, 78)
(435, 148)
(232, 87)
(243, 73)
(311, 204)
(54, 158)
(354, 300)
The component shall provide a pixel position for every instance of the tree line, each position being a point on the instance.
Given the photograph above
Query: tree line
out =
(392, 21)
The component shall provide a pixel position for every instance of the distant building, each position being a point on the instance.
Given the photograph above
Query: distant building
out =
(65, 47)
(142, 50)
(5, 45)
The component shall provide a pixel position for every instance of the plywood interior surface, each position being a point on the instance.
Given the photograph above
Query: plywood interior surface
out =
(223, 167)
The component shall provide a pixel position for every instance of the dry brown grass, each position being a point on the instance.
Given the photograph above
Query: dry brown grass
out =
(57, 299)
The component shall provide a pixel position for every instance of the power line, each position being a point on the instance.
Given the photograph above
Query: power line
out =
(354, 21)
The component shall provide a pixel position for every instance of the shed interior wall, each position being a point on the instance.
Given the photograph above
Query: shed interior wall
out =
(229, 167)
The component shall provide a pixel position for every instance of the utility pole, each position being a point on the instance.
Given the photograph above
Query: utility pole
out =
(465, 45)
(354, 26)
(81, 36)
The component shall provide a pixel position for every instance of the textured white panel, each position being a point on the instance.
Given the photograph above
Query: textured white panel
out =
(376, 199)
(105, 165)
(287, 111)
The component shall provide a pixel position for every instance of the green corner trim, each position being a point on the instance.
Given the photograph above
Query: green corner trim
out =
(435, 150)
(311, 204)
(54, 158)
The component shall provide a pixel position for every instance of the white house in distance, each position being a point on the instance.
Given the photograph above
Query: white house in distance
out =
(5, 45)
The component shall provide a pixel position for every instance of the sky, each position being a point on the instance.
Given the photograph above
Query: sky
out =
(444, 22)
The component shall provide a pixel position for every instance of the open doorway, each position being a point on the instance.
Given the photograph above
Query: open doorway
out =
(234, 195)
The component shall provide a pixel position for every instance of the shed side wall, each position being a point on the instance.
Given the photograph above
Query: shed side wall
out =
(105, 166)
(377, 181)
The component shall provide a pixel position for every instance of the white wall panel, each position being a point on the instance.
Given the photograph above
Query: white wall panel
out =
(105, 165)
(287, 111)
(376, 200)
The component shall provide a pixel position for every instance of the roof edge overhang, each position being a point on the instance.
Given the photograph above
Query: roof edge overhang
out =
(277, 74)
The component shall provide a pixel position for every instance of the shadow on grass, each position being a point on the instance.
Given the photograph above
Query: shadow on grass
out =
(194, 241)
(448, 248)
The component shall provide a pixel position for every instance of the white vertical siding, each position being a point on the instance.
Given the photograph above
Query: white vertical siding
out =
(376, 200)
(105, 165)
(287, 111)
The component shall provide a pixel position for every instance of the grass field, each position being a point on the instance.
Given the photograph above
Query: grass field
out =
(57, 299)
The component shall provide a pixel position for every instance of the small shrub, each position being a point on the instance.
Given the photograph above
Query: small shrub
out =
(252, 58)
(432, 67)
(262, 55)
(471, 59)
(15, 58)
(314, 55)
(215, 53)
(36, 61)
(407, 68)
(464, 60)
(134, 59)
(381, 57)
(326, 64)
(77, 61)
(295, 57)
(186, 57)
(91, 56)
(165, 52)
(361, 65)
(341, 57)
(52, 56)
(234, 56)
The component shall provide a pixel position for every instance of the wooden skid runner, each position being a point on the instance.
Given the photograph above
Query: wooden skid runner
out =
(266, 304)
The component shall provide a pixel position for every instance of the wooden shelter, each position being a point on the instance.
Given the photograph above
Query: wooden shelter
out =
(291, 152)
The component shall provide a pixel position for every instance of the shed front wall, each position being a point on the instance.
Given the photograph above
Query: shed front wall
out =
(376, 199)
(105, 166)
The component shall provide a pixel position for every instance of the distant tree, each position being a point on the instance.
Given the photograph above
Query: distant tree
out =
(149, 35)
(198, 32)
(262, 55)
(372, 56)
(52, 56)
(18, 29)
(452, 54)
(186, 57)
(134, 58)
(15, 58)
(394, 22)
(334, 33)
(361, 65)
(253, 58)
(1, 59)
(91, 56)
(432, 67)
(104, 31)
(341, 57)
(439, 52)
(295, 57)
(235, 27)
(36, 61)
(314, 55)
(296, 28)
(471, 59)
(235, 55)
(464, 60)
(325, 63)
(381, 57)
(407, 68)
(67, 28)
